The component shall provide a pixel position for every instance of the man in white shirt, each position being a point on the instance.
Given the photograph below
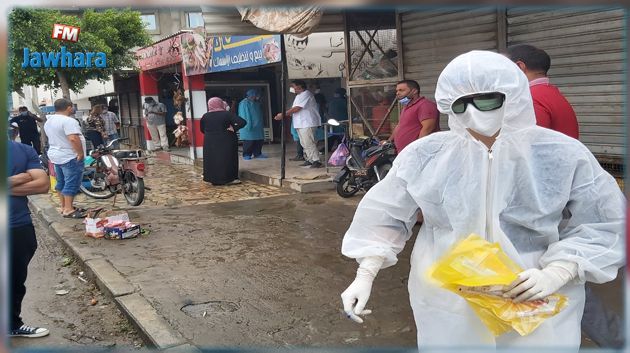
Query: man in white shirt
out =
(66, 151)
(306, 120)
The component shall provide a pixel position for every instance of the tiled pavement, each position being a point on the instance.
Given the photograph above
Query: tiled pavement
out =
(182, 185)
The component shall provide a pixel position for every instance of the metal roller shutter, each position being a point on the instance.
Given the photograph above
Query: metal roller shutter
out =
(431, 39)
(587, 65)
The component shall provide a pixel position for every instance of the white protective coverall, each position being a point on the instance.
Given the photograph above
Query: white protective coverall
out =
(514, 195)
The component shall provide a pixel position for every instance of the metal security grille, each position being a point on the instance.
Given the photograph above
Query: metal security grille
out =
(587, 65)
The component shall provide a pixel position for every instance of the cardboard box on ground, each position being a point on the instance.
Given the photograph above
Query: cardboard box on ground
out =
(111, 225)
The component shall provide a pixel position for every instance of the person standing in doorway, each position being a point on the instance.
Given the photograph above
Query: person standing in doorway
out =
(112, 123)
(338, 110)
(155, 113)
(253, 133)
(220, 145)
(27, 125)
(27, 178)
(306, 120)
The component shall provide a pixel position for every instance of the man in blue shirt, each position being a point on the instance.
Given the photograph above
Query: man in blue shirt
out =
(26, 178)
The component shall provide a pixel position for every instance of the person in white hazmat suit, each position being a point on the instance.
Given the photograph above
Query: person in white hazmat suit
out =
(497, 174)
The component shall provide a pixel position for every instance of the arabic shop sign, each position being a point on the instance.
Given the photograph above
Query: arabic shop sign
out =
(203, 54)
(160, 54)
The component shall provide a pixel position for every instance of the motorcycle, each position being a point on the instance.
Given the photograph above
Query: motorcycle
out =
(108, 172)
(368, 163)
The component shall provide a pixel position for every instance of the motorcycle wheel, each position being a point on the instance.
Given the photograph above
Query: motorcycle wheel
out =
(345, 189)
(98, 188)
(133, 189)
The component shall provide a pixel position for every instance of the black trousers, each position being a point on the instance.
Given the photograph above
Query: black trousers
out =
(32, 140)
(23, 244)
(252, 147)
(300, 150)
(95, 137)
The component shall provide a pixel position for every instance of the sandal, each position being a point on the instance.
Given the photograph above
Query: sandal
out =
(76, 214)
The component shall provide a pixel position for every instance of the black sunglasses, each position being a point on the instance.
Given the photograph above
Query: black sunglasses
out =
(484, 102)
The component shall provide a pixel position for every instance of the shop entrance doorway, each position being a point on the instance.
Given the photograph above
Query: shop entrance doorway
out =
(233, 93)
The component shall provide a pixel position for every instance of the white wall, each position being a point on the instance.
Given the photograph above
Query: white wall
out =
(81, 98)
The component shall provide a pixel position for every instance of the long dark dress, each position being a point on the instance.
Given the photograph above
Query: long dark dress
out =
(220, 147)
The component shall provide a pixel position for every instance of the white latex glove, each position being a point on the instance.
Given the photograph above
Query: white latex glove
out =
(357, 294)
(534, 284)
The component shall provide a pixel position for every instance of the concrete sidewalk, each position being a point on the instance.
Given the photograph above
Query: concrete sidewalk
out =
(254, 273)
(267, 171)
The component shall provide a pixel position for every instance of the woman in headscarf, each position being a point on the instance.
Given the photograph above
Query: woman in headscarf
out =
(220, 145)
(253, 135)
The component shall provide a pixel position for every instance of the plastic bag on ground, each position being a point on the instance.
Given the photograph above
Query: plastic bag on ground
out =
(480, 272)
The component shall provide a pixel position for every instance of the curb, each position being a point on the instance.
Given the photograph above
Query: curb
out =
(152, 327)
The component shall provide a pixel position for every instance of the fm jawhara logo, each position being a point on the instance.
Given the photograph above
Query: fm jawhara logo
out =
(64, 58)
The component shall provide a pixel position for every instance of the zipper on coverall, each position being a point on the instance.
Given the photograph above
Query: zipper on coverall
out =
(489, 199)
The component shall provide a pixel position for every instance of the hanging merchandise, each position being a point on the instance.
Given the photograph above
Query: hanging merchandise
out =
(481, 272)
(181, 132)
(179, 99)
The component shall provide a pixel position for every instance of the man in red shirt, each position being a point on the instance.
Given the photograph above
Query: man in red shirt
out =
(418, 118)
(553, 111)
(599, 323)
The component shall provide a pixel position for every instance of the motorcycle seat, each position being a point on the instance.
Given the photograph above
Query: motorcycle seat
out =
(373, 150)
(121, 154)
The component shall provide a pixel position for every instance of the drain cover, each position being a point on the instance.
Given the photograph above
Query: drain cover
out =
(198, 310)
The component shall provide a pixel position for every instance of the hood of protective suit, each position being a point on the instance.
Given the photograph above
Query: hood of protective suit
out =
(483, 72)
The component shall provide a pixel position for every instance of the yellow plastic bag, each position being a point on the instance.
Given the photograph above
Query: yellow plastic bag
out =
(480, 272)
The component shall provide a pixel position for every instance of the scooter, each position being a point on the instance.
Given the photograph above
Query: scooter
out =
(368, 163)
(108, 172)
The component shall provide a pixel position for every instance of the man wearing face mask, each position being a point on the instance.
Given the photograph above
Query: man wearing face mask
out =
(418, 118)
(306, 120)
(496, 174)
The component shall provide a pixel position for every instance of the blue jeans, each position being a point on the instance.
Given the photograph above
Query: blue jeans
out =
(115, 145)
(69, 176)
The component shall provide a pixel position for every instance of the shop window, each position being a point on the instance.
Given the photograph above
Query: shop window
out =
(194, 19)
(376, 107)
(150, 22)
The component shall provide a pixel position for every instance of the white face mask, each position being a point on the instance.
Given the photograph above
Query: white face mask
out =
(485, 123)
(291, 89)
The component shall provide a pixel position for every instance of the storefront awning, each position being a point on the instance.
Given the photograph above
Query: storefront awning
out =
(290, 20)
(228, 21)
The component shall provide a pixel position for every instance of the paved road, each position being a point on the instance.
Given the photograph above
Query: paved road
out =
(72, 319)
